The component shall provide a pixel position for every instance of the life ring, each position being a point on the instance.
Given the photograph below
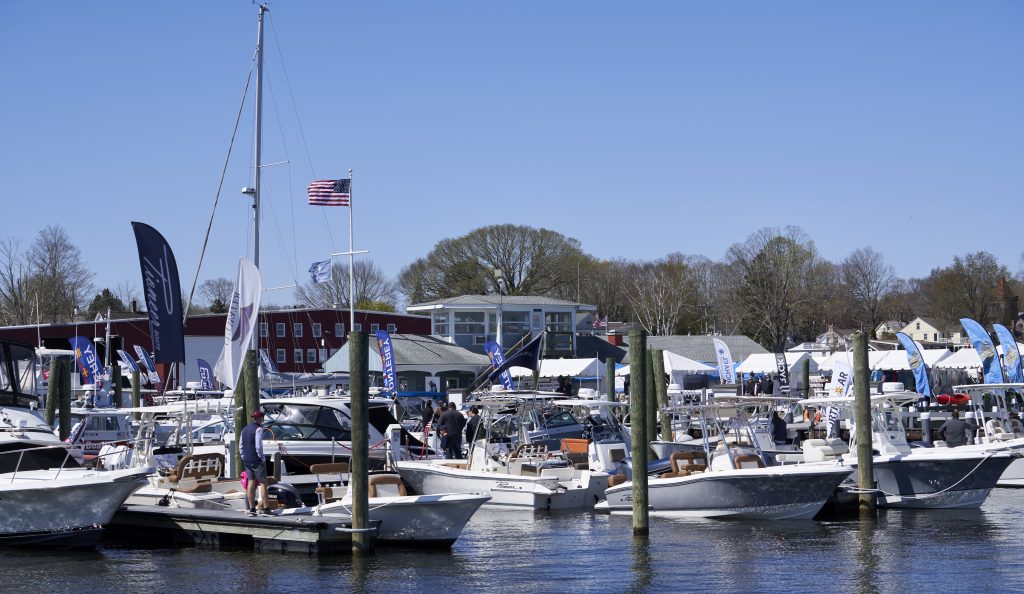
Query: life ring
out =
(955, 400)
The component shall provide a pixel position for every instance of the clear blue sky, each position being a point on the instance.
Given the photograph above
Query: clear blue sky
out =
(640, 129)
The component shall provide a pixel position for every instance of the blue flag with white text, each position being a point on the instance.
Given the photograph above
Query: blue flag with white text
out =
(497, 357)
(154, 377)
(268, 363)
(205, 375)
(528, 357)
(1011, 354)
(986, 351)
(88, 361)
(916, 361)
(320, 272)
(387, 360)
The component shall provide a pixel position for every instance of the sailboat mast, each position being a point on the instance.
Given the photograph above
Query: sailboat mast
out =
(257, 154)
(258, 141)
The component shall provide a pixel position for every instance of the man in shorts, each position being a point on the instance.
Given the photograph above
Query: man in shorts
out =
(252, 460)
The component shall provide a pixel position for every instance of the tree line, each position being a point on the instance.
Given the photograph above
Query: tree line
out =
(774, 286)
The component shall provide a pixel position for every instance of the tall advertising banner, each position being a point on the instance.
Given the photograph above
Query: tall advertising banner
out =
(916, 361)
(154, 377)
(163, 294)
(387, 360)
(88, 361)
(839, 387)
(986, 351)
(132, 366)
(241, 322)
(497, 357)
(782, 367)
(205, 375)
(726, 373)
(1011, 354)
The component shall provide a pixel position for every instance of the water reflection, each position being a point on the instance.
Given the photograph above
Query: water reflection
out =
(641, 569)
(867, 560)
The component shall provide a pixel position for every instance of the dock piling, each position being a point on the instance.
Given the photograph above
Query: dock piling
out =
(358, 360)
(638, 428)
(661, 391)
(862, 418)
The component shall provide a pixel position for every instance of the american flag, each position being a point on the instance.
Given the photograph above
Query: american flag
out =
(330, 192)
(599, 323)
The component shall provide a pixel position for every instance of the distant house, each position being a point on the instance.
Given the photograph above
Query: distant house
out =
(472, 320)
(834, 340)
(888, 329)
(924, 330)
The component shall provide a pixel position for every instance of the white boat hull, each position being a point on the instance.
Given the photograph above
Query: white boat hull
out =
(1013, 476)
(764, 493)
(506, 490)
(415, 520)
(43, 507)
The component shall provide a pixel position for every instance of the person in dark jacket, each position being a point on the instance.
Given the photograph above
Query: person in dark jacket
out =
(472, 423)
(252, 459)
(450, 425)
(954, 430)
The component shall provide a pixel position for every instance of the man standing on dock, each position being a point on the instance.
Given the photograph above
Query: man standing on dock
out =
(452, 422)
(252, 460)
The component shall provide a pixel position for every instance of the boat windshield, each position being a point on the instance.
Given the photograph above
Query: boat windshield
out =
(307, 422)
(17, 375)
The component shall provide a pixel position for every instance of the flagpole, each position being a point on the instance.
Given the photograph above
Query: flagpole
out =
(351, 262)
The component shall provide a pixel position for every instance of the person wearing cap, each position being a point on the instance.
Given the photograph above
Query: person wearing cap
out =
(252, 460)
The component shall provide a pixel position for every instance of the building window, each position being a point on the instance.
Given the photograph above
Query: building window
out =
(358, 327)
(469, 323)
(316, 330)
(323, 355)
(374, 328)
(311, 355)
(392, 328)
(264, 330)
(558, 321)
(441, 323)
(297, 329)
(298, 355)
(280, 329)
(339, 329)
(918, 326)
(280, 356)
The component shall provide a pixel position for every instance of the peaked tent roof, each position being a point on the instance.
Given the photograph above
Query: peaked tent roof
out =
(702, 348)
(568, 367)
(415, 351)
(897, 360)
(765, 362)
(675, 364)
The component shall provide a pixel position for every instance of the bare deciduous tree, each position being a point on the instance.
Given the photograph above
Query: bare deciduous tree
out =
(216, 294)
(774, 279)
(17, 304)
(58, 274)
(868, 279)
(660, 293)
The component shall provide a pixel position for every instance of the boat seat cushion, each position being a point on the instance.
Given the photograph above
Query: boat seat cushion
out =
(616, 479)
(748, 461)
(386, 485)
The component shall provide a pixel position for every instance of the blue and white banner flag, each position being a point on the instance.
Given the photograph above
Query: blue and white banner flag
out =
(782, 368)
(497, 357)
(88, 361)
(132, 366)
(726, 373)
(986, 351)
(154, 377)
(241, 322)
(320, 272)
(916, 361)
(268, 364)
(839, 387)
(205, 375)
(1011, 354)
(163, 294)
(387, 360)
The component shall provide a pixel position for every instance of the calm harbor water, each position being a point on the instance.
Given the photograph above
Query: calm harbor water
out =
(980, 550)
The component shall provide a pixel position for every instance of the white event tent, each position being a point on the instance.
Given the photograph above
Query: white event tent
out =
(897, 360)
(676, 366)
(968, 358)
(765, 363)
(567, 367)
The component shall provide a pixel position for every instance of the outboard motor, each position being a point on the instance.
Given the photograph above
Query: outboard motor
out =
(285, 494)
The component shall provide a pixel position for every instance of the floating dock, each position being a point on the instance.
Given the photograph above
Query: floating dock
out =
(149, 525)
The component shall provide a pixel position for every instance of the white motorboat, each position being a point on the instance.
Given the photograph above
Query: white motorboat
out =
(47, 499)
(995, 426)
(527, 476)
(927, 478)
(728, 480)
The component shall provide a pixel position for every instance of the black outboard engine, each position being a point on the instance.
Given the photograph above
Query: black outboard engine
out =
(285, 494)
